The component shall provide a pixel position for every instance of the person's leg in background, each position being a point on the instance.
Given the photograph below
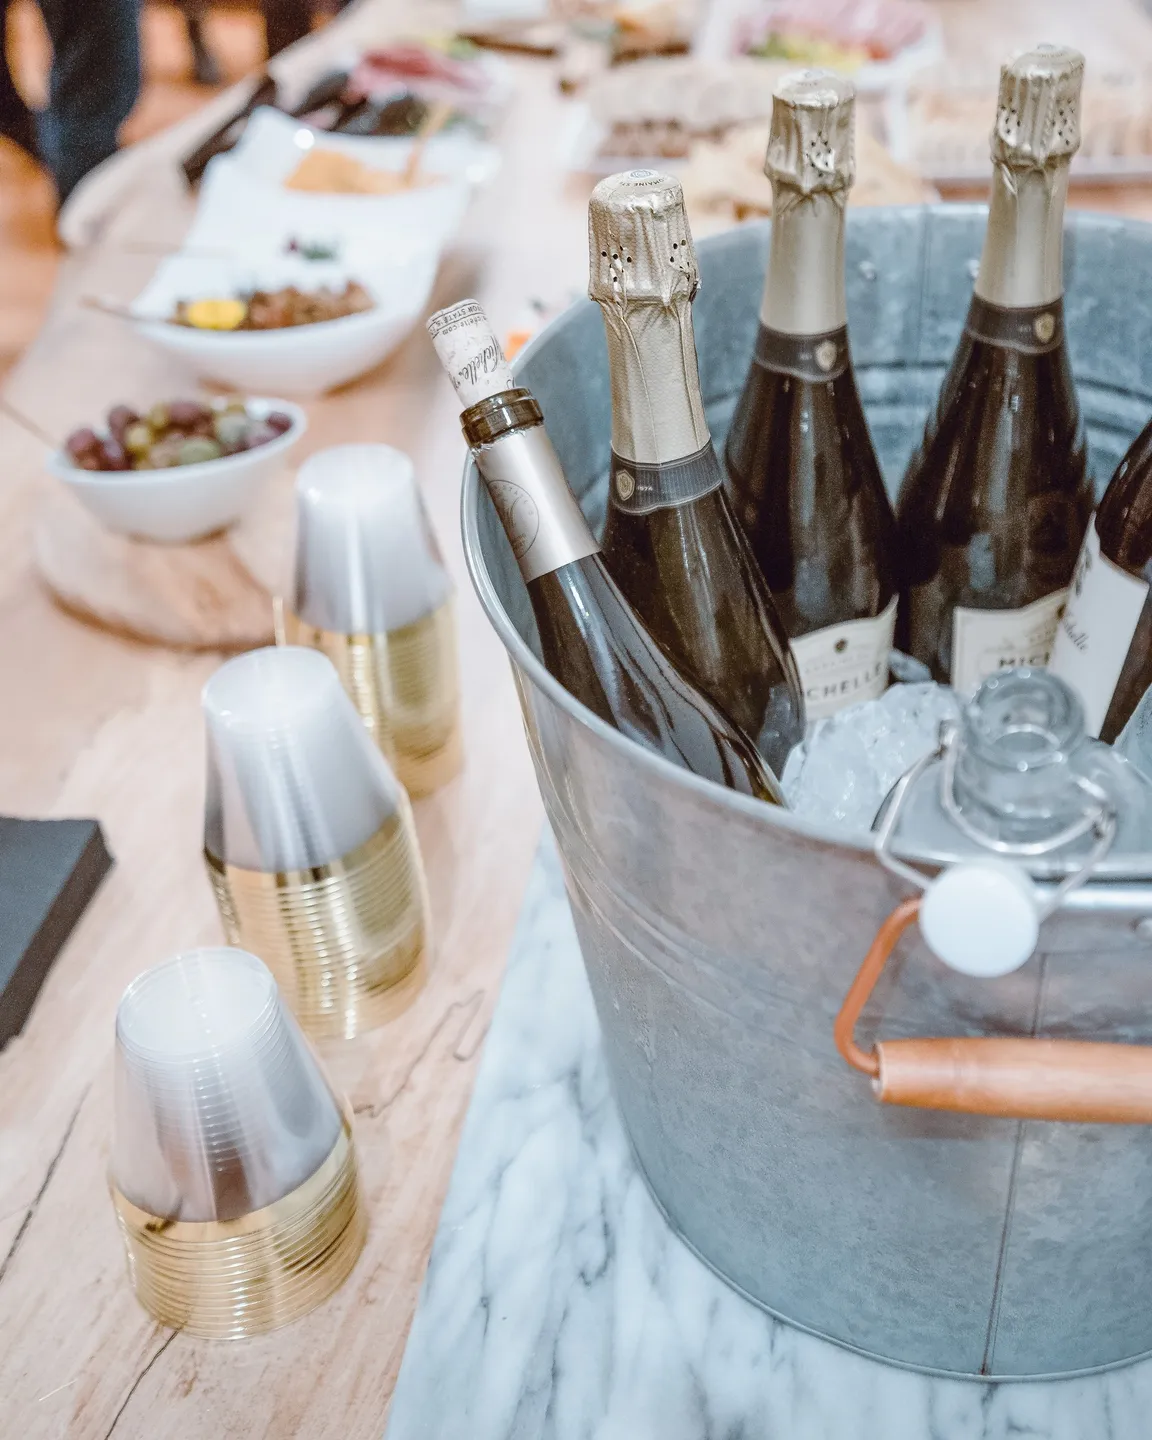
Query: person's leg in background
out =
(16, 120)
(204, 64)
(285, 22)
(94, 83)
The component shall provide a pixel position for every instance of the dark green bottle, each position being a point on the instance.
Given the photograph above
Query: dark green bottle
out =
(672, 542)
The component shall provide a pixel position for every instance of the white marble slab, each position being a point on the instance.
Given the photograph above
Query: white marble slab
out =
(559, 1306)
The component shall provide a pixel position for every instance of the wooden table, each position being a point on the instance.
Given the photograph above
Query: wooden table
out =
(93, 724)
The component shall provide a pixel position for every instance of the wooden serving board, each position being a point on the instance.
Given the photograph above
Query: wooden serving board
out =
(190, 597)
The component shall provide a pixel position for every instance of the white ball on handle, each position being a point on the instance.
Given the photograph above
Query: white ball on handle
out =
(981, 917)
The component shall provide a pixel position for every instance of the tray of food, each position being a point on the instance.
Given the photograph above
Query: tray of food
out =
(654, 110)
(943, 131)
(388, 91)
(878, 44)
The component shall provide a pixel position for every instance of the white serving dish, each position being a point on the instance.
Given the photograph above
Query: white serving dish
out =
(273, 144)
(242, 213)
(300, 360)
(185, 502)
(245, 222)
(244, 205)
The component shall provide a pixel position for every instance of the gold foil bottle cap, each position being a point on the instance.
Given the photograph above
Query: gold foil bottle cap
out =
(1038, 113)
(639, 244)
(811, 145)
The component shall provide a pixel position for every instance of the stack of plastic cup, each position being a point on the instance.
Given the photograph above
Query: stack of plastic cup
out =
(372, 593)
(233, 1172)
(309, 840)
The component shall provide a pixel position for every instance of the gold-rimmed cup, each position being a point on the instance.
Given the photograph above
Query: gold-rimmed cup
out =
(233, 1170)
(310, 843)
(371, 592)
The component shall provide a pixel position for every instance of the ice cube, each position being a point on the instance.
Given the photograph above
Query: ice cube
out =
(1135, 741)
(841, 772)
(907, 669)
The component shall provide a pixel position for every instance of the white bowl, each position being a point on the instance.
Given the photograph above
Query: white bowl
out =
(302, 360)
(273, 144)
(185, 502)
(246, 214)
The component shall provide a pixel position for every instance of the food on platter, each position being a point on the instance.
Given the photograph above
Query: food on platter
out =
(947, 122)
(273, 309)
(518, 37)
(657, 108)
(724, 179)
(333, 172)
(171, 433)
(311, 249)
(211, 314)
(658, 28)
(839, 34)
(386, 91)
(455, 73)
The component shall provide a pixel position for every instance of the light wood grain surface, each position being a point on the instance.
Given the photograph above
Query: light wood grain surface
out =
(93, 724)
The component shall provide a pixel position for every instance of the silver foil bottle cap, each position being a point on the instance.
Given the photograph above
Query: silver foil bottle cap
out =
(811, 144)
(221, 1107)
(294, 781)
(639, 244)
(1038, 112)
(367, 561)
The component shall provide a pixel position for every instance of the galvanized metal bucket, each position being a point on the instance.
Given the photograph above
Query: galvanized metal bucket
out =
(720, 935)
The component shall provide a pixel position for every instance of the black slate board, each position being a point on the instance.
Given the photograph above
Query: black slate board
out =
(49, 871)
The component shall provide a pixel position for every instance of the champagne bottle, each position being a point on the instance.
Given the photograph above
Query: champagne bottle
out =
(802, 473)
(995, 501)
(1104, 643)
(672, 543)
(590, 637)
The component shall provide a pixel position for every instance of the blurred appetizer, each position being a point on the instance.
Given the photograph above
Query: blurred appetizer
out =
(273, 309)
(171, 433)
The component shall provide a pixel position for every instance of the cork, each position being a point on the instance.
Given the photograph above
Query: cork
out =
(469, 351)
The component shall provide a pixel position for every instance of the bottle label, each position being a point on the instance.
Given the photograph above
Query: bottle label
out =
(808, 357)
(1033, 329)
(639, 489)
(984, 641)
(846, 663)
(1095, 633)
(544, 524)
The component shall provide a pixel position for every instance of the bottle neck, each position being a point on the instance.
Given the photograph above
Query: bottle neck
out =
(1022, 263)
(544, 524)
(657, 408)
(804, 284)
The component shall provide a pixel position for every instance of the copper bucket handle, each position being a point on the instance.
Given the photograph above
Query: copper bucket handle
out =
(1024, 1079)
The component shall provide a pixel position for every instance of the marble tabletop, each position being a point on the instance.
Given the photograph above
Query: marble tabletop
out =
(558, 1305)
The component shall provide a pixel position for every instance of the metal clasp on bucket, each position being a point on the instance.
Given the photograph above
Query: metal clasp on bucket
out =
(1022, 1078)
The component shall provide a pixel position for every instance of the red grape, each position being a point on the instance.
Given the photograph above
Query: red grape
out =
(82, 443)
(119, 419)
